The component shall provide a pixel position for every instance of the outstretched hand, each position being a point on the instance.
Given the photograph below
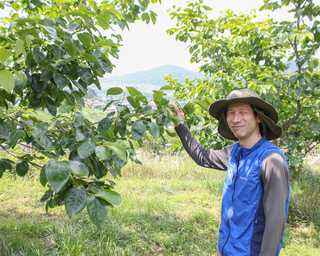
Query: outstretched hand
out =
(179, 112)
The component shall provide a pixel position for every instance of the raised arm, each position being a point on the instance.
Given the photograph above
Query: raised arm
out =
(216, 159)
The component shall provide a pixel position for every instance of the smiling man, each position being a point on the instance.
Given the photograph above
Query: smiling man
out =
(256, 188)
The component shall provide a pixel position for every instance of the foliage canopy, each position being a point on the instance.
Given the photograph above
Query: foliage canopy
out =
(239, 51)
(50, 53)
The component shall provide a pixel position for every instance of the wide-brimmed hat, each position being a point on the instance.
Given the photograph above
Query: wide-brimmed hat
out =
(269, 116)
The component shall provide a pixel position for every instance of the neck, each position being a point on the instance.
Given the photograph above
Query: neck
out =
(249, 142)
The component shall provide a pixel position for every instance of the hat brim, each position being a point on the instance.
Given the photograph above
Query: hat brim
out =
(220, 106)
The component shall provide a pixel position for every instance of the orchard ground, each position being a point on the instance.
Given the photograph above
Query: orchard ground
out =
(170, 206)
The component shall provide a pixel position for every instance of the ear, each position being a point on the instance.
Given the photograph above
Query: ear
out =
(258, 117)
(258, 120)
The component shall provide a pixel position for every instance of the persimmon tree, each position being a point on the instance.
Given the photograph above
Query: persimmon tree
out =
(50, 53)
(277, 59)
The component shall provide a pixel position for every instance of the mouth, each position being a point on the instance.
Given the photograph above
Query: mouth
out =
(237, 127)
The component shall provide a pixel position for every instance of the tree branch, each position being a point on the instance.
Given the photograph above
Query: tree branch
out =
(311, 52)
(12, 154)
(285, 125)
(219, 57)
(311, 146)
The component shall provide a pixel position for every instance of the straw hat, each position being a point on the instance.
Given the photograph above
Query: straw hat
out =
(269, 117)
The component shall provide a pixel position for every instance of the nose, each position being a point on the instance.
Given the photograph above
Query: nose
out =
(236, 118)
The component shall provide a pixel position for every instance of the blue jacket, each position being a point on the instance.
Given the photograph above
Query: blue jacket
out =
(242, 213)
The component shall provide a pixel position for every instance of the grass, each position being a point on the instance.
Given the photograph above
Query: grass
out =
(170, 207)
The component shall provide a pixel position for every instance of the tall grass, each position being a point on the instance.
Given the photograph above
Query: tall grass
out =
(170, 207)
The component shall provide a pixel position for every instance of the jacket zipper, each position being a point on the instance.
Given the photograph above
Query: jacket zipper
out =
(234, 190)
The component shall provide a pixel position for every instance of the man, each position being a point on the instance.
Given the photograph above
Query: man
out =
(256, 188)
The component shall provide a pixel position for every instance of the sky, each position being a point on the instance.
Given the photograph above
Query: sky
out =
(149, 46)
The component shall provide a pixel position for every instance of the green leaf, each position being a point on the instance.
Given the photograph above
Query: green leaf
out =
(22, 168)
(45, 142)
(4, 128)
(107, 42)
(39, 130)
(73, 26)
(133, 102)
(52, 31)
(133, 91)
(283, 37)
(145, 17)
(112, 170)
(70, 48)
(43, 178)
(104, 124)
(157, 97)
(147, 109)
(110, 196)
(138, 130)
(20, 81)
(78, 168)
(46, 196)
(7, 80)
(189, 108)
(204, 104)
(6, 164)
(66, 108)
(58, 174)
(79, 135)
(121, 127)
(117, 149)
(102, 152)
(117, 161)
(13, 137)
(154, 130)
(60, 80)
(114, 91)
(129, 115)
(102, 21)
(97, 210)
(38, 55)
(90, 57)
(166, 87)
(85, 38)
(4, 54)
(86, 149)
(75, 201)
(78, 119)
(164, 121)
(153, 16)
(171, 134)
(176, 120)
(51, 105)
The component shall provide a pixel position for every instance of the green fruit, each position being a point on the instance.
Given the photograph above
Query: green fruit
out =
(22, 168)
(316, 92)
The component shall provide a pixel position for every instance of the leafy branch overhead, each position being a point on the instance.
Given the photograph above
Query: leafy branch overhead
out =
(276, 59)
(50, 53)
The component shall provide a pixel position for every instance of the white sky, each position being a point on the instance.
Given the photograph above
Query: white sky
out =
(149, 46)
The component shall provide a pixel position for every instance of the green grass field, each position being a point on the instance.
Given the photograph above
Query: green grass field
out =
(170, 207)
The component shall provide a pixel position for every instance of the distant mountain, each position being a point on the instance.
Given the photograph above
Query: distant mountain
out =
(153, 76)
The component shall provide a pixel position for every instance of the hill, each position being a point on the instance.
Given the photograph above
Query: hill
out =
(153, 76)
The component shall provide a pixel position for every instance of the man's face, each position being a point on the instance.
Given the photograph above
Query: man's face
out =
(242, 121)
